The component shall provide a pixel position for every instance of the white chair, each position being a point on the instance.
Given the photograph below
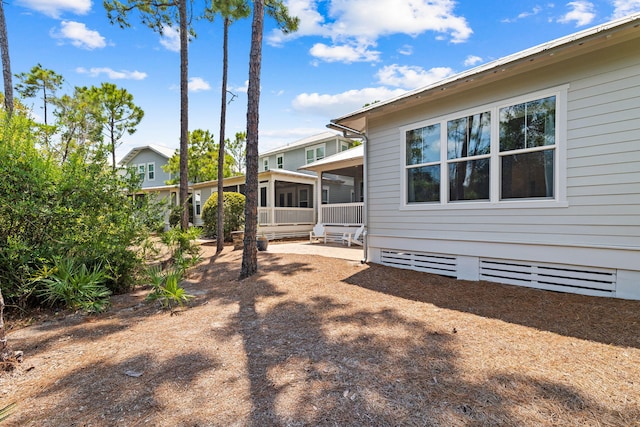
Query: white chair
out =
(356, 239)
(318, 232)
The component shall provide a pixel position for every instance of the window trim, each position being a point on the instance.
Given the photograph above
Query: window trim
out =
(494, 202)
(149, 171)
(265, 164)
(280, 161)
(314, 148)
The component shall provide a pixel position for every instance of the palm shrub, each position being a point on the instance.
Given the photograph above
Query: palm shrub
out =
(166, 287)
(71, 283)
(233, 212)
(185, 252)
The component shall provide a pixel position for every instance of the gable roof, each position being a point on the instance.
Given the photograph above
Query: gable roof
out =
(310, 140)
(554, 51)
(161, 150)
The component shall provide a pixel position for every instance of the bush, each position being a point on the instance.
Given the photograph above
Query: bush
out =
(74, 285)
(233, 214)
(77, 207)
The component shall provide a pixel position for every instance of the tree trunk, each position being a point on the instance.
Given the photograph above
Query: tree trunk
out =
(184, 115)
(223, 119)
(5, 352)
(6, 63)
(249, 254)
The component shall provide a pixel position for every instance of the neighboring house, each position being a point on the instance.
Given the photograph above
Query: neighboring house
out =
(346, 206)
(288, 199)
(525, 170)
(147, 161)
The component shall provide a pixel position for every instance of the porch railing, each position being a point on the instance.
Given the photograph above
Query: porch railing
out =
(343, 213)
(280, 216)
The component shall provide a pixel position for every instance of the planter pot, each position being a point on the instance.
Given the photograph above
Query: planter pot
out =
(262, 242)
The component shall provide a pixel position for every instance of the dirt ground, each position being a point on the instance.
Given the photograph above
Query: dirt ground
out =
(326, 342)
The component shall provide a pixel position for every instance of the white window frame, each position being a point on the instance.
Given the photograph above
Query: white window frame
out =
(325, 190)
(280, 161)
(197, 204)
(151, 171)
(315, 153)
(265, 164)
(560, 157)
(141, 171)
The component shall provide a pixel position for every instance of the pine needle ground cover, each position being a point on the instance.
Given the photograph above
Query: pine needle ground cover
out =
(316, 341)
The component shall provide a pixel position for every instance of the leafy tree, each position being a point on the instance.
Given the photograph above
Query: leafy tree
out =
(78, 123)
(6, 66)
(230, 10)
(277, 10)
(237, 151)
(40, 80)
(202, 155)
(115, 110)
(157, 14)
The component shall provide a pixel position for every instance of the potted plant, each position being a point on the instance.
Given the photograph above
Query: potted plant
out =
(262, 242)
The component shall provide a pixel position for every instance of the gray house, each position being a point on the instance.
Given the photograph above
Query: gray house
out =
(148, 161)
(288, 197)
(525, 170)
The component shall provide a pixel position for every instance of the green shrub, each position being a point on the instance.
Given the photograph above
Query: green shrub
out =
(233, 214)
(166, 287)
(71, 283)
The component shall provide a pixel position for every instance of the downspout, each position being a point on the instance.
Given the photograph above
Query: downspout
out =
(351, 133)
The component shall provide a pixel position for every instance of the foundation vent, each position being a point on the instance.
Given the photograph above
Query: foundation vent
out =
(555, 277)
(431, 263)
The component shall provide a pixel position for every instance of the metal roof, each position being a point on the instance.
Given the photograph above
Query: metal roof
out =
(163, 151)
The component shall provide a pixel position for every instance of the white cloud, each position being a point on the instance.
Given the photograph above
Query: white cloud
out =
(197, 84)
(241, 89)
(358, 24)
(79, 35)
(170, 39)
(411, 77)
(335, 105)
(582, 13)
(625, 7)
(536, 10)
(112, 74)
(54, 8)
(344, 53)
(406, 50)
(472, 60)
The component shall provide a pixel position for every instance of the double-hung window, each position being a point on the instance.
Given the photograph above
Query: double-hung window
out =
(141, 172)
(280, 161)
(265, 164)
(314, 153)
(498, 153)
(151, 171)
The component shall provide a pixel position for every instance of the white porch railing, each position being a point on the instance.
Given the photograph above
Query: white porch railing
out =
(280, 216)
(343, 214)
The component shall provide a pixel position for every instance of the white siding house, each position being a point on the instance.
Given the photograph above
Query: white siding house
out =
(525, 170)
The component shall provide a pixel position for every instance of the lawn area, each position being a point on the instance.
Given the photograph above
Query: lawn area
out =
(321, 341)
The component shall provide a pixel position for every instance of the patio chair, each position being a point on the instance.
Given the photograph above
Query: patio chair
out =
(318, 232)
(356, 238)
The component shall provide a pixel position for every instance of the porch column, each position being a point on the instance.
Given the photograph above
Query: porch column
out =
(271, 197)
(319, 197)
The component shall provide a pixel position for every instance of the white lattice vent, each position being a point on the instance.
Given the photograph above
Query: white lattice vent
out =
(430, 263)
(584, 280)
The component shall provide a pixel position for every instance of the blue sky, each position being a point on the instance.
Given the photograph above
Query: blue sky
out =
(346, 53)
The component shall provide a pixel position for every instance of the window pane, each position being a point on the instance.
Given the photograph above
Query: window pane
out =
(319, 153)
(469, 136)
(423, 145)
(469, 180)
(528, 175)
(309, 156)
(527, 125)
(423, 184)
